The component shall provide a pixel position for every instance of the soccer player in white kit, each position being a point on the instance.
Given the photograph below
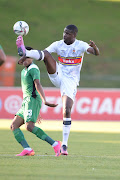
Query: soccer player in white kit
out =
(65, 74)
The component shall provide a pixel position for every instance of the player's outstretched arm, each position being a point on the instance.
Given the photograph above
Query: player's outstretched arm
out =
(93, 49)
(42, 94)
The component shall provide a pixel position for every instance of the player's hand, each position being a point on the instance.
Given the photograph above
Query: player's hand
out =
(50, 104)
(92, 44)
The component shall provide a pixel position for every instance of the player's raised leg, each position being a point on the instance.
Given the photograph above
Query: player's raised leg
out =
(49, 61)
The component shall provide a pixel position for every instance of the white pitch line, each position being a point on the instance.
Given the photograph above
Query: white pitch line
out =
(42, 155)
(14, 155)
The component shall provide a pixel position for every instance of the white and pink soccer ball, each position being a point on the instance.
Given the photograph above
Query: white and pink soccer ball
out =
(21, 28)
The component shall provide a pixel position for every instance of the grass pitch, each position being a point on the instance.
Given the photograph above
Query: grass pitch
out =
(91, 156)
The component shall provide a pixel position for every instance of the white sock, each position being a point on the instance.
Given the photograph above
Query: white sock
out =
(55, 143)
(35, 54)
(29, 149)
(66, 131)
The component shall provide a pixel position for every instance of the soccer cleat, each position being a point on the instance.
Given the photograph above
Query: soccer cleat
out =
(57, 148)
(20, 46)
(64, 150)
(26, 153)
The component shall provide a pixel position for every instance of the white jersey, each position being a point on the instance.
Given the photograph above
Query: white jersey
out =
(70, 57)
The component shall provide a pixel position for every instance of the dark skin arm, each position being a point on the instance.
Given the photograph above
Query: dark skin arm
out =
(93, 49)
(42, 95)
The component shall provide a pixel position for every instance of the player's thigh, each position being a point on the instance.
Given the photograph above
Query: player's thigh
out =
(22, 109)
(68, 87)
(32, 109)
(56, 77)
(50, 62)
(17, 122)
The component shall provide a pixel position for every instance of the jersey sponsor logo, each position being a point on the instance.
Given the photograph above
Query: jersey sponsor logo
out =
(70, 60)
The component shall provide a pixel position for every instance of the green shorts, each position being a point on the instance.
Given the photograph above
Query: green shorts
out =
(30, 109)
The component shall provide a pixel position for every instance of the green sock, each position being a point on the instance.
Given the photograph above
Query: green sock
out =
(19, 136)
(42, 135)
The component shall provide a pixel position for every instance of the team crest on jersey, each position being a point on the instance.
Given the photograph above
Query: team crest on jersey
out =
(73, 50)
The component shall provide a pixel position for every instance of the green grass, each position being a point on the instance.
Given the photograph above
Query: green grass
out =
(96, 20)
(91, 156)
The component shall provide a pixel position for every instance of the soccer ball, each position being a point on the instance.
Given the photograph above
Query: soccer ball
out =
(21, 28)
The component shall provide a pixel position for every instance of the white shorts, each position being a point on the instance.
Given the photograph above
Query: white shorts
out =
(67, 85)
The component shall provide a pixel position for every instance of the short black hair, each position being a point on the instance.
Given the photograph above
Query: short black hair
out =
(72, 28)
(28, 48)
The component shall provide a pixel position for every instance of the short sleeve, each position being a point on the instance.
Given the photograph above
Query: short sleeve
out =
(35, 73)
(52, 48)
(85, 47)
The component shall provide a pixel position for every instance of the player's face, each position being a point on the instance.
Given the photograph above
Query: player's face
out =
(68, 36)
(27, 62)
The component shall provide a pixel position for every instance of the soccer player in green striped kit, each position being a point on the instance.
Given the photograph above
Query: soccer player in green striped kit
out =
(33, 95)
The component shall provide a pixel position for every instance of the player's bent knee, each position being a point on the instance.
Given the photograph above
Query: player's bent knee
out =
(13, 127)
(29, 127)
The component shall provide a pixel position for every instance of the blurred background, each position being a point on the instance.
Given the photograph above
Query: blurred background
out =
(92, 155)
(96, 20)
